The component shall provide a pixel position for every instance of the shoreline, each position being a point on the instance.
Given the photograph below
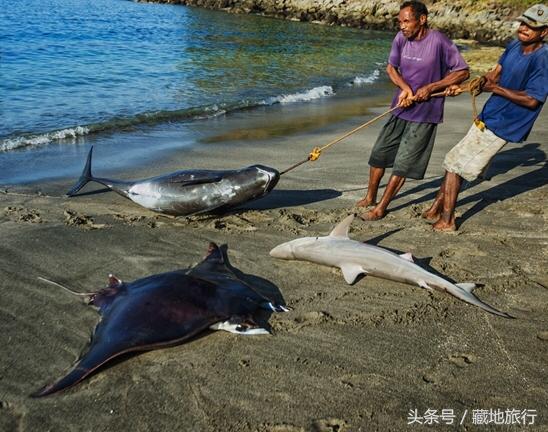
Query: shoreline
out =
(483, 21)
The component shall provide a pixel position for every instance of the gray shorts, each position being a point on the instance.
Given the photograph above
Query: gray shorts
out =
(472, 155)
(404, 145)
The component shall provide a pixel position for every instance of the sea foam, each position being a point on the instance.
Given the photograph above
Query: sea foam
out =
(367, 79)
(41, 139)
(308, 95)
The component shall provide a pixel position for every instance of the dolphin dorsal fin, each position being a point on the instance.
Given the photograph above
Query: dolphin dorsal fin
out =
(466, 286)
(407, 256)
(351, 272)
(341, 230)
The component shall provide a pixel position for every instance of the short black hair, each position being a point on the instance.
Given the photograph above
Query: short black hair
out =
(417, 7)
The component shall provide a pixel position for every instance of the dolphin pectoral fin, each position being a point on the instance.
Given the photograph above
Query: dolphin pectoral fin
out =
(341, 230)
(407, 256)
(467, 286)
(351, 272)
(188, 179)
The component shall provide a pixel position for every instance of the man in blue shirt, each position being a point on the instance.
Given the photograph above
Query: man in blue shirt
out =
(519, 86)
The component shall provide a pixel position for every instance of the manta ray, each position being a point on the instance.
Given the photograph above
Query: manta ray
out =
(167, 309)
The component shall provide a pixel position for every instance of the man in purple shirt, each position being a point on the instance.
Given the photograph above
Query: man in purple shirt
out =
(422, 62)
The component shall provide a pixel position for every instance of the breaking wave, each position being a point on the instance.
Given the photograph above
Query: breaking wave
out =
(367, 79)
(308, 95)
(71, 134)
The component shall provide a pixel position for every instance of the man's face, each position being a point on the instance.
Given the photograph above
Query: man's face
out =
(409, 25)
(528, 35)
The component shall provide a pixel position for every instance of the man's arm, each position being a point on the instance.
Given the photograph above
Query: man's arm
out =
(519, 97)
(406, 94)
(453, 78)
(494, 74)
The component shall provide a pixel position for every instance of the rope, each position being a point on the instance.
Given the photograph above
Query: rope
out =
(474, 86)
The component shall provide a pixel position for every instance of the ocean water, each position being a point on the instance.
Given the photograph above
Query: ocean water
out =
(79, 70)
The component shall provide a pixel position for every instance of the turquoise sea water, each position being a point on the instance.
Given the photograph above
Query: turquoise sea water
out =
(86, 68)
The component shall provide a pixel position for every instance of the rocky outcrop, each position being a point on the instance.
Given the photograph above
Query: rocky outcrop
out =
(484, 21)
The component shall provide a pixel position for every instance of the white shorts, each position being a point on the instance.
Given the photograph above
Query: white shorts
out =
(472, 154)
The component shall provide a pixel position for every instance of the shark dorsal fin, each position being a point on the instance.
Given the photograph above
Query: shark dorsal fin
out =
(351, 272)
(407, 256)
(467, 286)
(341, 230)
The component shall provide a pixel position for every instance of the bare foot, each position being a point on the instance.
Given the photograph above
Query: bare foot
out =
(430, 215)
(365, 202)
(372, 215)
(442, 226)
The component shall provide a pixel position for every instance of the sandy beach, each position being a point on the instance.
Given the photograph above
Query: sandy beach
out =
(346, 358)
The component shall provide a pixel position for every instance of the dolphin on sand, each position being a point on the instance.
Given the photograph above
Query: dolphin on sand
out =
(189, 192)
(355, 258)
(167, 309)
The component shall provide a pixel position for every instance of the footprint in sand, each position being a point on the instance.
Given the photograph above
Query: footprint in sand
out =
(280, 428)
(72, 218)
(463, 360)
(21, 214)
(329, 425)
(543, 336)
(233, 224)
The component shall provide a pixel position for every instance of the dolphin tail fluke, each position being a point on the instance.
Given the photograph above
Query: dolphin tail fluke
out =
(84, 178)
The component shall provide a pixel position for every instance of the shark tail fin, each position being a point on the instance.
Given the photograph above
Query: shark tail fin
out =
(84, 178)
(467, 286)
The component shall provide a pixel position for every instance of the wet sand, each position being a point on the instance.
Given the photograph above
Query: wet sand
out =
(347, 358)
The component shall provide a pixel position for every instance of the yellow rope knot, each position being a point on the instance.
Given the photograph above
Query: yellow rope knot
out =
(315, 154)
(475, 87)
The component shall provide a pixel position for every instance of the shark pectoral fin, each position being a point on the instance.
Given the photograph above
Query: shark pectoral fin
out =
(466, 286)
(351, 272)
(424, 285)
(341, 230)
(407, 256)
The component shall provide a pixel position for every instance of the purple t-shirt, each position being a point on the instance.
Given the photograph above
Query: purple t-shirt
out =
(422, 62)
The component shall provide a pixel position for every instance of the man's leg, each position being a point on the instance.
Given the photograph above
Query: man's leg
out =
(417, 140)
(434, 212)
(392, 188)
(382, 156)
(446, 222)
(375, 177)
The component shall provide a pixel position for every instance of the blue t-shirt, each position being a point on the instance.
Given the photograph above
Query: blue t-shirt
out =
(525, 72)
